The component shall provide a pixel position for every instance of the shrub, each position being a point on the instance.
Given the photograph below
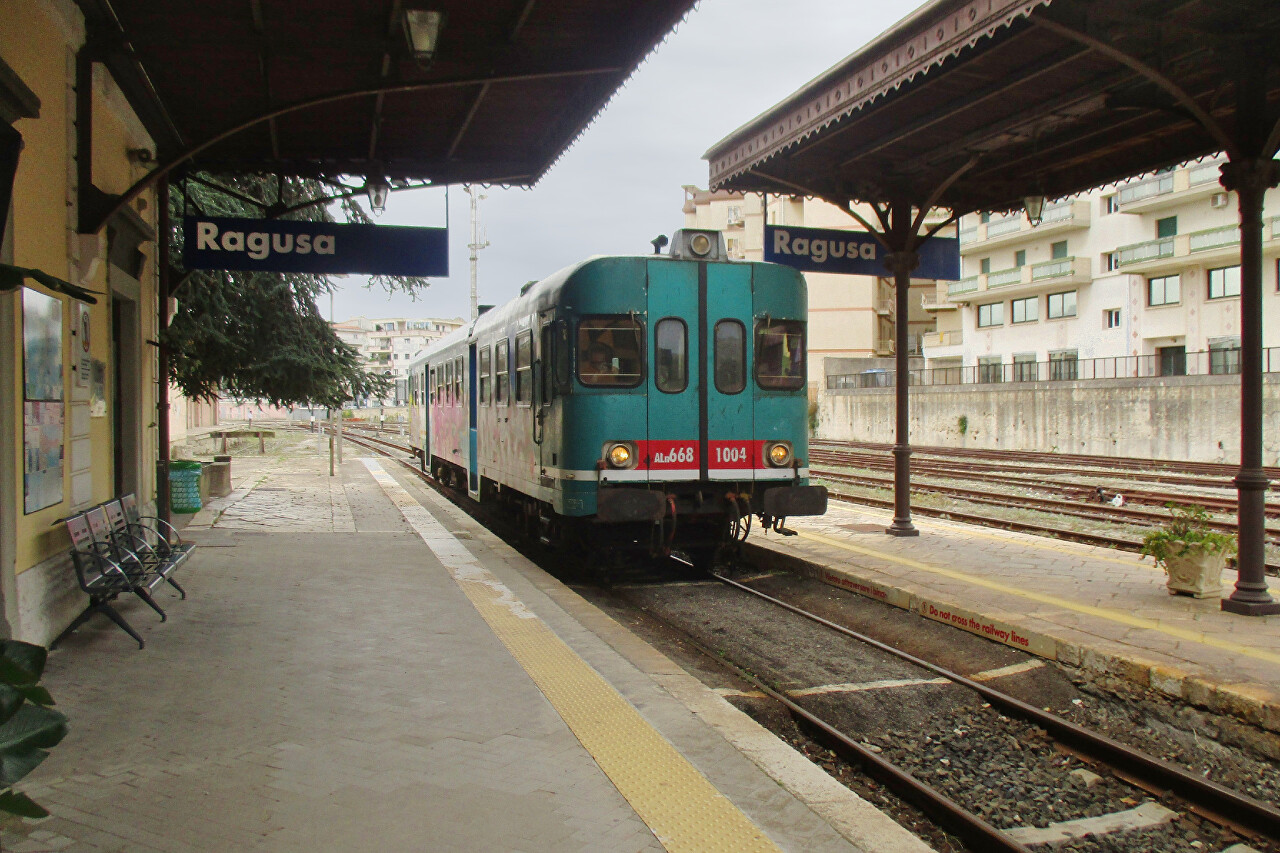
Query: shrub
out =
(1187, 532)
(28, 726)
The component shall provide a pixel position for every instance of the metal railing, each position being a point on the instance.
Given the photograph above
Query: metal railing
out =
(1053, 269)
(1214, 238)
(964, 285)
(1004, 226)
(1204, 173)
(1159, 185)
(1216, 362)
(1004, 277)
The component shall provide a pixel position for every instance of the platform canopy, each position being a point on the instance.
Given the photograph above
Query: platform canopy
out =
(502, 92)
(1042, 96)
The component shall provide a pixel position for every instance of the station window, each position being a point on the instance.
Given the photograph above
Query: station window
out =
(486, 374)
(1224, 282)
(501, 368)
(1062, 305)
(524, 367)
(1064, 364)
(780, 354)
(457, 381)
(1025, 310)
(991, 315)
(671, 355)
(730, 357)
(1166, 290)
(1025, 367)
(610, 352)
(1112, 318)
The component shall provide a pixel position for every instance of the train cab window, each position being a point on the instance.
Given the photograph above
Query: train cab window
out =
(500, 385)
(486, 374)
(609, 352)
(780, 355)
(730, 357)
(524, 368)
(457, 381)
(670, 355)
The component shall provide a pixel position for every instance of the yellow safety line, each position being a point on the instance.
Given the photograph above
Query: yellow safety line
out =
(1055, 601)
(684, 810)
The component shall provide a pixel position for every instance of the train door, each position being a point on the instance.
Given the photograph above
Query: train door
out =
(473, 459)
(676, 441)
(730, 418)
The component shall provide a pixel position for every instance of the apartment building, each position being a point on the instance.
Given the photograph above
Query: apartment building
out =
(389, 344)
(1136, 279)
(850, 317)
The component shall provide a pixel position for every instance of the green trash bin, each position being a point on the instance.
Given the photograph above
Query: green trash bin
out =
(184, 486)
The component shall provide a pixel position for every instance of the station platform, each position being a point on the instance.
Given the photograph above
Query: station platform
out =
(361, 667)
(1105, 611)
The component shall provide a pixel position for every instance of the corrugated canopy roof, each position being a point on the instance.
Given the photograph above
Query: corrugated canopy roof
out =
(999, 82)
(512, 83)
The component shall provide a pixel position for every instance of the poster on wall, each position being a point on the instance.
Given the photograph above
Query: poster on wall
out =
(42, 457)
(83, 361)
(41, 346)
(42, 408)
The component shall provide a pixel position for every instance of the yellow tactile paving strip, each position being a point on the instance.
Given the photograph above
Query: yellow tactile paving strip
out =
(684, 810)
(1117, 616)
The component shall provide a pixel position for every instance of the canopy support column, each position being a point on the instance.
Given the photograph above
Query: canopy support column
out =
(902, 259)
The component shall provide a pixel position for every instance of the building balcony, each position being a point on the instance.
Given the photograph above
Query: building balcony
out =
(884, 307)
(935, 340)
(1029, 279)
(964, 285)
(932, 302)
(1170, 189)
(1058, 218)
(1169, 254)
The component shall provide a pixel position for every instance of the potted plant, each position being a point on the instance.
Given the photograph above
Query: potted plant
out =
(1191, 554)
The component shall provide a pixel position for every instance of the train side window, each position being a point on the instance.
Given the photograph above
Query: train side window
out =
(447, 397)
(433, 388)
(670, 355)
(610, 354)
(486, 379)
(500, 381)
(524, 368)
(560, 355)
(457, 381)
(547, 346)
(730, 357)
(780, 359)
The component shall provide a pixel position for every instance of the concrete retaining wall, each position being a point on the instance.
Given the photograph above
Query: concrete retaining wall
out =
(1193, 418)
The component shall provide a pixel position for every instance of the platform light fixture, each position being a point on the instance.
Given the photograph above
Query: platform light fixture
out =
(422, 29)
(1034, 205)
(378, 189)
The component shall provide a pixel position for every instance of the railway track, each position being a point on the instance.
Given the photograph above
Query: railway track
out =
(1177, 790)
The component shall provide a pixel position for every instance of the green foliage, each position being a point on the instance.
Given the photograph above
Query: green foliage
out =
(1186, 533)
(259, 336)
(28, 726)
(962, 423)
(814, 418)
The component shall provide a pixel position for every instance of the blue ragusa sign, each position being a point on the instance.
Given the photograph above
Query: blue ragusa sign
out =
(854, 252)
(281, 245)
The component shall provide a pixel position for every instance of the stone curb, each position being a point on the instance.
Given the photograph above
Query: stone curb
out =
(1253, 703)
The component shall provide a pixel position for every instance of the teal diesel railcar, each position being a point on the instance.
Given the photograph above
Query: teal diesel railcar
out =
(652, 402)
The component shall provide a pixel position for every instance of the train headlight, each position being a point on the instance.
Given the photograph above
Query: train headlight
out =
(620, 456)
(700, 244)
(779, 454)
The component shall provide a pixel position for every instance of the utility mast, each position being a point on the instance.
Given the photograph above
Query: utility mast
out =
(475, 245)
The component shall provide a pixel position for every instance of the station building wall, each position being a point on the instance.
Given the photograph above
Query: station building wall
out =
(1193, 418)
(108, 428)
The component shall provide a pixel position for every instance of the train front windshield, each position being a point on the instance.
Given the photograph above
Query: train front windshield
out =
(609, 352)
(780, 354)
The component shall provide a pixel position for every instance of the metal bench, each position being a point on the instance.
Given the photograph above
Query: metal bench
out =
(102, 577)
(159, 557)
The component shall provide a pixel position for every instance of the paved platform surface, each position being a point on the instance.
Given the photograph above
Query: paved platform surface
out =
(360, 667)
(1091, 607)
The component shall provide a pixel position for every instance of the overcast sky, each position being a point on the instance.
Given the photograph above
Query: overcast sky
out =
(620, 184)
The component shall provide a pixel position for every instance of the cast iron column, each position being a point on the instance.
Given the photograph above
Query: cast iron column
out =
(162, 368)
(901, 260)
(1250, 179)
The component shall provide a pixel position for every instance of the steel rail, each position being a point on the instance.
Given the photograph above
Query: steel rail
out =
(1239, 809)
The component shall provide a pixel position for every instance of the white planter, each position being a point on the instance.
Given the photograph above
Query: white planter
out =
(1196, 573)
